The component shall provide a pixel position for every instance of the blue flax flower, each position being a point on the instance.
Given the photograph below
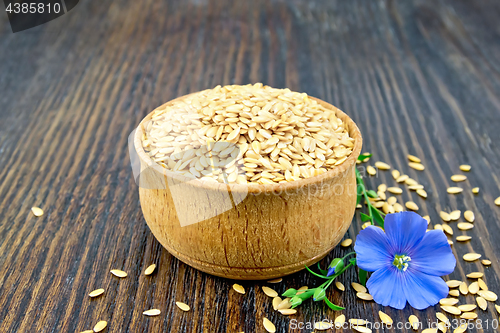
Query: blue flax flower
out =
(406, 260)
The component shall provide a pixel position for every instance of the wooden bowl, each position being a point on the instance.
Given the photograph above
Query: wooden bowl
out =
(266, 231)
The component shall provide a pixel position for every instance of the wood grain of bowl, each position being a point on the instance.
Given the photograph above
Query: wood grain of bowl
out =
(267, 231)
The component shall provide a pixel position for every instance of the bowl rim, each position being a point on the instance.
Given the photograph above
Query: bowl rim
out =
(353, 130)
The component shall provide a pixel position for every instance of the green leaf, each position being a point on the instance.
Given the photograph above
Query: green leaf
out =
(363, 157)
(372, 194)
(352, 261)
(295, 301)
(289, 293)
(362, 276)
(365, 217)
(319, 294)
(333, 306)
(358, 200)
(378, 217)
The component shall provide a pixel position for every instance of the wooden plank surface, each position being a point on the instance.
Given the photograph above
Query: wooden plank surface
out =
(419, 77)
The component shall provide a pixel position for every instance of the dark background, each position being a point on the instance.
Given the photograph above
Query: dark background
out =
(420, 77)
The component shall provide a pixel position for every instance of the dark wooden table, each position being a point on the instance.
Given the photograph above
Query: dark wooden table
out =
(420, 77)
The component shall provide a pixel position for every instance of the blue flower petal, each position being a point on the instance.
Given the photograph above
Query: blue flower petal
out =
(404, 230)
(433, 255)
(373, 250)
(423, 290)
(387, 287)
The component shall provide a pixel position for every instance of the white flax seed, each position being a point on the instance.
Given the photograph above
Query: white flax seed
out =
(151, 312)
(182, 306)
(150, 269)
(471, 256)
(37, 211)
(101, 325)
(97, 292)
(118, 273)
(239, 288)
(269, 326)
(269, 291)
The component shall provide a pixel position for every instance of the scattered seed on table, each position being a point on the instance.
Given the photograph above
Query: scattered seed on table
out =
(498, 308)
(445, 216)
(414, 322)
(422, 193)
(269, 291)
(382, 188)
(395, 190)
(481, 284)
(486, 262)
(382, 165)
(269, 326)
(96, 292)
(497, 201)
(322, 325)
(447, 229)
(463, 288)
(463, 238)
(438, 227)
(460, 329)
(87, 331)
(358, 287)
(469, 215)
(182, 306)
(416, 166)
(37, 211)
(395, 174)
(427, 217)
(364, 296)
(465, 167)
(238, 288)
(118, 273)
(402, 178)
(467, 307)
(382, 195)
(371, 170)
(385, 318)
(475, 275)
(416, 187)
(465, 226)
(471, 256)
(442, 317)
(362, 329)
(474, 288)
(346, 242)
(411, 205)
(276, 301)
(411, 182)
(488, 295)
(100, 326)
(454, 190)
(151, 312)
(278, 280)
(458, 178)
(303, 288)
(453, 283)
(451, 309)
(392, 200)
(339, 286)
(468, 315)
(339, 321)
(287, 312)
(482, 303)
(475, 190)
(450, 242)
(455, 215)
(285, 304)
(150, 269)
(454, 293)
(448, 301)
(414, 159)
(398, 208)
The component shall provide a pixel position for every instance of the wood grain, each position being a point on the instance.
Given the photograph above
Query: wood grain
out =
(419, 77)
